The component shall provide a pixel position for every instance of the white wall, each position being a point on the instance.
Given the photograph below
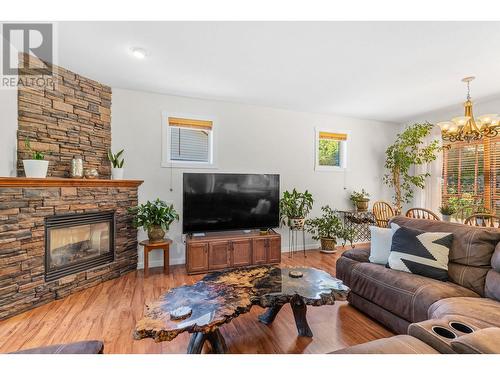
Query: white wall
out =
(249, 139)
(8, 131)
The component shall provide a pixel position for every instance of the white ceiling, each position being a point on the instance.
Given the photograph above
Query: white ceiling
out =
(389, 71)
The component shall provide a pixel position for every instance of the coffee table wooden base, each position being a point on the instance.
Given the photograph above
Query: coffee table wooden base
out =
(215, 339)
(299, 309)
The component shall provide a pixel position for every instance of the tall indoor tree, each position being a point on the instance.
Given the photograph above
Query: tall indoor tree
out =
(408, 151)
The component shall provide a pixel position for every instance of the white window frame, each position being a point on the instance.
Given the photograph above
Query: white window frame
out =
(166, 162)
(343, 152)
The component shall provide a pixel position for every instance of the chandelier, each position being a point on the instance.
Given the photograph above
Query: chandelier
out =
(467, 128)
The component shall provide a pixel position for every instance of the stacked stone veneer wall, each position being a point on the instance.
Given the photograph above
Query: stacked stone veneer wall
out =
(22, 248)
(70, 115)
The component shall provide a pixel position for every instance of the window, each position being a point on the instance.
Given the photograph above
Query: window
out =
(187, 142)
(330, 150)
(471, 171)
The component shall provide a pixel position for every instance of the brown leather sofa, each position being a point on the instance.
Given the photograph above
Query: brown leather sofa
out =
(484, 341)
(396, 299)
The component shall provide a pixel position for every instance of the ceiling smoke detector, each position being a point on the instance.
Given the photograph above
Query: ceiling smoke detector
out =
(139, 53)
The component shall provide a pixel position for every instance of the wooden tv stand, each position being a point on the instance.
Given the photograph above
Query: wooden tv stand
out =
(223, 250)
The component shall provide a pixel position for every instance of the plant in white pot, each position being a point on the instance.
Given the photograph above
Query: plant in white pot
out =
(116, 164)
(447, 210)
(154, 217)
(294, 207)
(36, 166)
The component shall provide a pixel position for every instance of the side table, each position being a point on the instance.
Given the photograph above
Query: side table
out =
(149, 246)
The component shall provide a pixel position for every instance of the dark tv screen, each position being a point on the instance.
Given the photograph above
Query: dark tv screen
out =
(222, 201)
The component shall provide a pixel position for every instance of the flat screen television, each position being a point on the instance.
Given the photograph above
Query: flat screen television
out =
(223, 201)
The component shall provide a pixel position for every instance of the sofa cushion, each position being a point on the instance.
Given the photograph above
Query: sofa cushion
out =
(470, 253)
(492, 284)
(484, 341)
(79, 347)
(419, 252)
(359, 255)
(402, 344)
(404, 294)
(484, 309)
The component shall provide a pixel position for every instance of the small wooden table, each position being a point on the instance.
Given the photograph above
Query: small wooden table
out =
(148, 246)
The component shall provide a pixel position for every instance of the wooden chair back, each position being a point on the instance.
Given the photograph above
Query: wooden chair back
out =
(421, 213)
(464, 212)
(383, 212)
(483, 220)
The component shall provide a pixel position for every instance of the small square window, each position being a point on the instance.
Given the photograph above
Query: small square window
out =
(188, 142)
(330, 150)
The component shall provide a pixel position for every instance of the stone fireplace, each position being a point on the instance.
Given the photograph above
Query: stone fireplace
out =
(62, 235)
(78, 242)
(57, 237)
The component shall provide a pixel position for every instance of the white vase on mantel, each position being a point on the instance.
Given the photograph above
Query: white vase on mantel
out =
(117, 173)
(35, 168)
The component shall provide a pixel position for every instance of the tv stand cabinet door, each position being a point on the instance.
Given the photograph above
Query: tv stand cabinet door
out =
(275, 250)
(260, 249)
(218, 255)
(197, 257)
(241, 253)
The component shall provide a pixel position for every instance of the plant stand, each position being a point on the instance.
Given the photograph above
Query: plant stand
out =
(359, 222)
(293, 241)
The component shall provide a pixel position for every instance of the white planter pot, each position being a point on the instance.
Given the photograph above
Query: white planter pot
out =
(117, 173)
(36, 168)
(446, 217)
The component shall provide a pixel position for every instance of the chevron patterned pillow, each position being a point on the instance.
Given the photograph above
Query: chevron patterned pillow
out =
(421, 253)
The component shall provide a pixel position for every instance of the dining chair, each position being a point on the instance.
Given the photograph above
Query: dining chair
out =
(421, 213)
(483, 220)
(383, 212)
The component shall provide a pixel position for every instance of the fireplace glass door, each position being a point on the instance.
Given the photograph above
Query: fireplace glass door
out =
(78, 242)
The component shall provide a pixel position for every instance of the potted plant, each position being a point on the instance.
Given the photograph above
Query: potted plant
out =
(409, 150)
(294, 207)
(155, 217)
(326, 229)
(36, 166)
(117, 164)
(447, 210)
(360, 199)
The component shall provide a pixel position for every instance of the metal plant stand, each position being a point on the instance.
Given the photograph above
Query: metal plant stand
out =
(359, 222)
(293, 241)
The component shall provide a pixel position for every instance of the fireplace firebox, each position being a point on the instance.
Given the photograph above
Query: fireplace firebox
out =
(77, 242)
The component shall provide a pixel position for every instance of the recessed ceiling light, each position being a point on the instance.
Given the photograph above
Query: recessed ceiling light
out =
(140, 53)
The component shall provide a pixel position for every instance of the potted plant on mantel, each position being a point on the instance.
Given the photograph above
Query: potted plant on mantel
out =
(294, 207)
(155, 218)
(360, 200)
(326, 229)
(36, 166)
(117, 165)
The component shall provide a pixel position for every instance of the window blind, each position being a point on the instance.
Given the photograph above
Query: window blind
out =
(333, 136)
(189, 139)
(190, 123)
(472, 170)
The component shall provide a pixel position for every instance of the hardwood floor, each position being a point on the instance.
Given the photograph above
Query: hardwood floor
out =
(108, 312)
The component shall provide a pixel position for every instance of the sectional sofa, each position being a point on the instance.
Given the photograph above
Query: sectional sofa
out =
(408, 303)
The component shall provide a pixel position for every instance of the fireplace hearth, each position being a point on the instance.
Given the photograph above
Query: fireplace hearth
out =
(78, 242)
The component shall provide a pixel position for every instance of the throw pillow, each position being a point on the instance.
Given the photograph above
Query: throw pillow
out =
(421, 253)
(380, 244)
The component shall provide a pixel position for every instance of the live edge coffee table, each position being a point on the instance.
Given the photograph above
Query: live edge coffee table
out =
(203, 307)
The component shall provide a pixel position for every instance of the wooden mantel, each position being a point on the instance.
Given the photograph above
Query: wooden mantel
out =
(6, 182)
